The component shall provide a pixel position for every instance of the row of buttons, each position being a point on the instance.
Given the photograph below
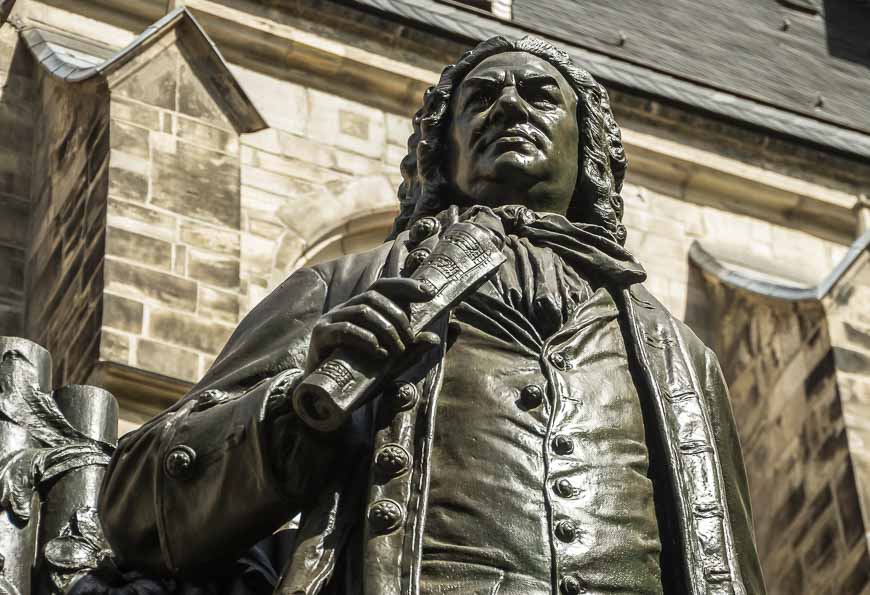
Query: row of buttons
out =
(391, 461)
(566, 530)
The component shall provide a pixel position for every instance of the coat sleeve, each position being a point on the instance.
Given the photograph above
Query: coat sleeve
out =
(734, 474)
(197, 486)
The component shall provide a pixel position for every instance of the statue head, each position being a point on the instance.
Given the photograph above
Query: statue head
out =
(515, 122)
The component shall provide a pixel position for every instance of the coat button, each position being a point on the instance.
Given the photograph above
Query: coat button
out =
(392, 460)
(207, 400)
(571, 585)
(404, 395)
(414, 259)
(563, 445)
(385, 516)
(422, 229)
(564, 488)
(532, 396)
(558, 360)
(179, 461)
(566, 530)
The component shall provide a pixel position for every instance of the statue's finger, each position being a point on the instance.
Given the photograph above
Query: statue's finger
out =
(368, 318)
(403, 289)
(429, 338)
(349, 336)
(388, 309)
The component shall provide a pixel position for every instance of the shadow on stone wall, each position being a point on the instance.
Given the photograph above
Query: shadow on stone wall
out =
(16, 123)
(778, 359)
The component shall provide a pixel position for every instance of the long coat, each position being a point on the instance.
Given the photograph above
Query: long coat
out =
(196, 486)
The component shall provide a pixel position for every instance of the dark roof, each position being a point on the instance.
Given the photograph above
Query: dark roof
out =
(789, 71)
(74, 60)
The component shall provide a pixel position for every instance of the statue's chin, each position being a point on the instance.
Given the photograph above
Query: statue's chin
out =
(515, 168)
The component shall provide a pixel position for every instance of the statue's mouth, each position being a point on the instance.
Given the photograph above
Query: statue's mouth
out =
(515, 135)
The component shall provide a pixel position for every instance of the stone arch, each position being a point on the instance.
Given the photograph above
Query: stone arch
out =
(316, 222)
(357, 234)
(339, 217)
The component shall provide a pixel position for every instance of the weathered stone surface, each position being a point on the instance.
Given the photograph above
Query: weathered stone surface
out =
(114, 347)
(278, 184)
(165, 288)
(264, 228)
(353, 124)
(135, 113)
(210, 137)
(292, 167)
(11, 320)
(127, 184)
(347, 124)
(11, 271)
(140, 218)
(284, 105)
(290, 248)
(155, 83)
(140, 248)
(207, 237)
(214, 269)
(195, 98)
(214, 304)
(257, 255)
(279, 142)
(849, 506)
(353, 163)
(129, 139)
(852, 361)
(15, 220)
(187, 331)
(398, 129)
(122, 313)
(179, 259)
(197, 183)
(167, 360)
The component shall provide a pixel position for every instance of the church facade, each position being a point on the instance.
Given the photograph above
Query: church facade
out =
(163, 166)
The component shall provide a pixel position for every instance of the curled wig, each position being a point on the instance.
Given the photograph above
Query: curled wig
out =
(425, 190)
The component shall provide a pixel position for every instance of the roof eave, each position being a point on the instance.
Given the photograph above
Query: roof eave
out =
(747, 112)
(245, 116)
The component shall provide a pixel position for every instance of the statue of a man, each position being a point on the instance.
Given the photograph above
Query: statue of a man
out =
(559, 432)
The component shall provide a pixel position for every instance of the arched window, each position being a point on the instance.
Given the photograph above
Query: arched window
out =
(353, 236)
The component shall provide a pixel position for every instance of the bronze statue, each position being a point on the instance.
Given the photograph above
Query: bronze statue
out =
(553, 430)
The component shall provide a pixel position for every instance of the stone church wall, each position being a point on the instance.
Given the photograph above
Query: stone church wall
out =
(16, 123)
(67, 228)
(172, 264)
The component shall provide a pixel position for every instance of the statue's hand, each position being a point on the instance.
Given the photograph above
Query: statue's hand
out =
(374, 323)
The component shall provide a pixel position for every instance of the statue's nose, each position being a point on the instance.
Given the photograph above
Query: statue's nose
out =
(509, 104)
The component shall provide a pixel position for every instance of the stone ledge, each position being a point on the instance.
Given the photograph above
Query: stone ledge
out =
(386, 83)
(711, 266)
(710, 179)
(44, 42)
(138, 391)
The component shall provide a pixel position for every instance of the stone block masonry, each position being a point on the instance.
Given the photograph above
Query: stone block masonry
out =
(16, 122)
(134, 253)
(68, 235)
(797, 372)
(173, 224)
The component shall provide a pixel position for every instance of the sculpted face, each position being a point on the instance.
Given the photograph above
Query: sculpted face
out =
(514, 137)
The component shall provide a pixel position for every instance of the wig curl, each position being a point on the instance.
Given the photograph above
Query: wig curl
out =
(425, 189)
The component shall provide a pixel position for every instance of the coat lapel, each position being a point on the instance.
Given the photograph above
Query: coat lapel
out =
(689, 447)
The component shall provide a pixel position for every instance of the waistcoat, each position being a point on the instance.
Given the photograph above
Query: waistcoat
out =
(539, 463)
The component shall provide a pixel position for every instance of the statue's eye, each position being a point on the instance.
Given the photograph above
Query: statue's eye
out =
(482, 98)
(542, 97)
